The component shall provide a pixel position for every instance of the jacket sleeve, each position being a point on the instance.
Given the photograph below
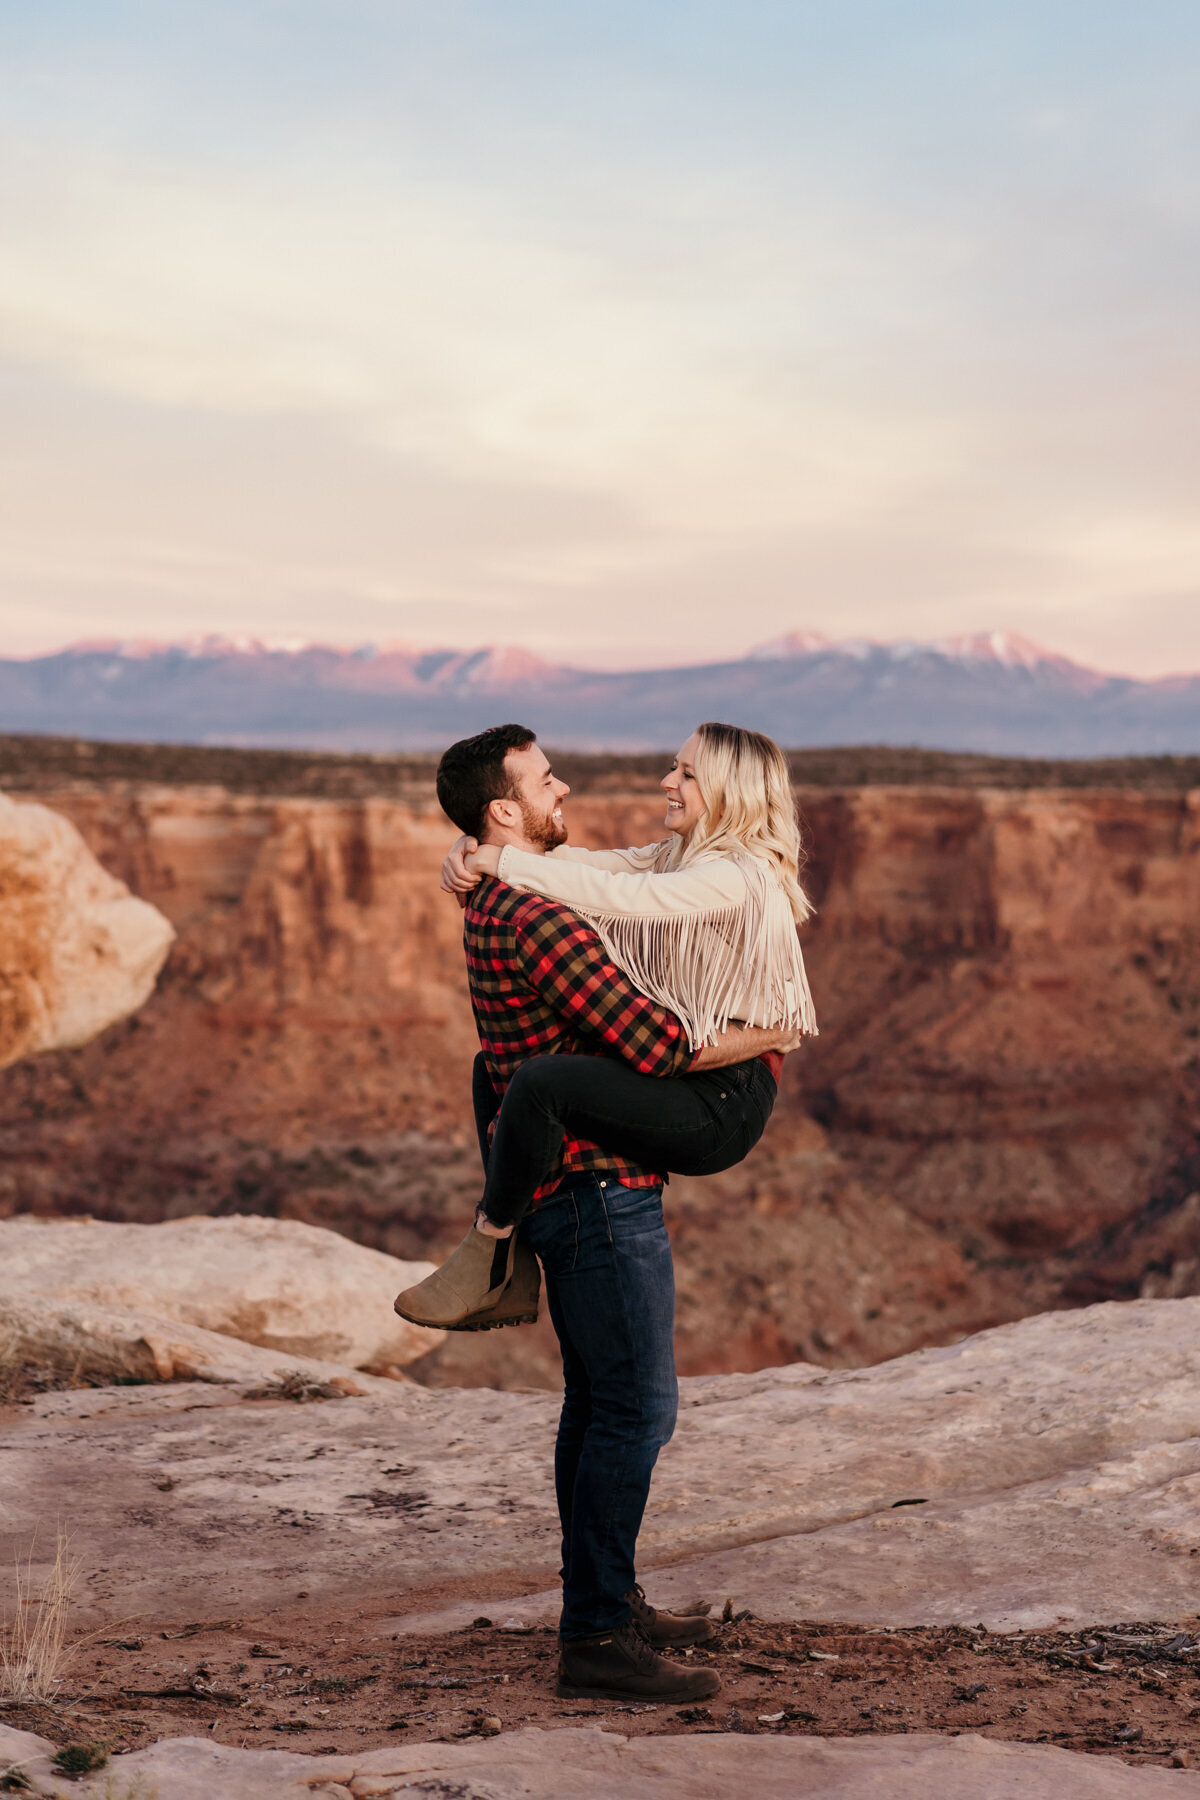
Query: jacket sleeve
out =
(617, 862)
(712, 886)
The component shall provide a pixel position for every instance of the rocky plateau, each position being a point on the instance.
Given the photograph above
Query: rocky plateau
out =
(262, 1566)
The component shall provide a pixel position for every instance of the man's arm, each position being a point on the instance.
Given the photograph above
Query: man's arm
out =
(742, 1043)
(564, 960)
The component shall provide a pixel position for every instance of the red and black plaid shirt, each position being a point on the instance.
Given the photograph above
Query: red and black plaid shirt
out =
(543, 983)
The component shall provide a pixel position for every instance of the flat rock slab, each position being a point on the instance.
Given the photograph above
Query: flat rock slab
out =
(588, 1764)
(1056, 1463)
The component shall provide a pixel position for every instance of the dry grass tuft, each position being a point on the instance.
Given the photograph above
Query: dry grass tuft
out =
(80, 1759)
(33, 1642)
(9, 1375)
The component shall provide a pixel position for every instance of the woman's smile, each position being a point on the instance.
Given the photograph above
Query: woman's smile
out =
(685, 803)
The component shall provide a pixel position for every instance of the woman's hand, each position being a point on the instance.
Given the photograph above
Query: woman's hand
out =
(456, 877)
(485, 860)
(467, 861)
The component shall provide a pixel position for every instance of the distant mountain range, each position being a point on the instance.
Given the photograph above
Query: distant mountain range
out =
(989, 691)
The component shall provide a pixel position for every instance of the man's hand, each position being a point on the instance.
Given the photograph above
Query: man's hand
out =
(456, 877)
(741, 1043)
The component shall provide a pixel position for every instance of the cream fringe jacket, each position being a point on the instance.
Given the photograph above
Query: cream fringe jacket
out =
(714, 942)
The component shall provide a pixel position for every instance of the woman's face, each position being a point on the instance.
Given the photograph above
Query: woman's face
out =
(685, 804)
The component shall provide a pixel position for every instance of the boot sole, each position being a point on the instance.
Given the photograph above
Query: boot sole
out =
(672, 1697)
(527, 1318)
(441, 1324)
(464, 1321)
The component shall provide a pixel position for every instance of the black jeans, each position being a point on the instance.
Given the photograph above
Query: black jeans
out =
(689, 1125)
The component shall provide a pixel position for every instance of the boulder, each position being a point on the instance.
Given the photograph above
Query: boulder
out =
(292, 1289)
(585, 1763)
(77, 951)
(98, 1345)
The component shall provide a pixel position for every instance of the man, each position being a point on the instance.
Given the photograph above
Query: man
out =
(542, 982)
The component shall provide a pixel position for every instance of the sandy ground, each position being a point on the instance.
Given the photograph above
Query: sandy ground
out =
(329, 1683)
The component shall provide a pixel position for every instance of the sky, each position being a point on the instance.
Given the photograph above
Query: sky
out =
(629, 333)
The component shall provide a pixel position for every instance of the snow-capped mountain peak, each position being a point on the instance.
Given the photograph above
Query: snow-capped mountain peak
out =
(1008, 648)
(790, 643)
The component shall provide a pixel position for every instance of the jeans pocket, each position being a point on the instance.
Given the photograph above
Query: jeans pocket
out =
(632, 1211)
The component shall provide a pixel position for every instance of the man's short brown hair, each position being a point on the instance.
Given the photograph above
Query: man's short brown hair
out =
(471, 775)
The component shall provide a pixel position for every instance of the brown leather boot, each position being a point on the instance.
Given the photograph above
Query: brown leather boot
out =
(472, 1279)
(518, 1304)
(662, 1629)
(621, 1665)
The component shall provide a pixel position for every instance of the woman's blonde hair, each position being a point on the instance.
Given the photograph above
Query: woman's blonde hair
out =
(748, 805)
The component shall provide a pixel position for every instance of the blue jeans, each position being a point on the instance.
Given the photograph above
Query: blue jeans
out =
(610, 1285)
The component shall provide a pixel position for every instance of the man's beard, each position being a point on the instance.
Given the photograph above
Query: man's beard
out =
(542, 829)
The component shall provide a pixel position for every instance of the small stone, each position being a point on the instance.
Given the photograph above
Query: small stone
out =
(490, 1725)
(1180, 1759)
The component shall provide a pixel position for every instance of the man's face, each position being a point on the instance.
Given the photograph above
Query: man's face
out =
(539, 795)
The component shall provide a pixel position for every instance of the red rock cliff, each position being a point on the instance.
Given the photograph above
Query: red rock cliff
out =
(1000, 1114)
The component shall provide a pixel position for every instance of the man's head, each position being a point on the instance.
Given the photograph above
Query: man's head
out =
(499, 787)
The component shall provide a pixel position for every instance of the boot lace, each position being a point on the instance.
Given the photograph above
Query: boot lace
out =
(634, 1639)
(643, 1613)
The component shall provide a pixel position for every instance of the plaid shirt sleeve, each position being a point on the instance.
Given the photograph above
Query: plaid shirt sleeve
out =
(566, 963)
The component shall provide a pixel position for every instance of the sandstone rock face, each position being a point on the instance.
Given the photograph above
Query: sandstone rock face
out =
(586, 1763)
(86, 1341)
(77, 951)
(1000, 1116)
(1043, 1472)
(1017, 1056)
(291, 1289)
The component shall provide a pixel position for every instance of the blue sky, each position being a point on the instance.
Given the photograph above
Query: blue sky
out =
(627, 333)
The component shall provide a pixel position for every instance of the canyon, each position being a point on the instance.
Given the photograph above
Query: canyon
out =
(1000, 1117)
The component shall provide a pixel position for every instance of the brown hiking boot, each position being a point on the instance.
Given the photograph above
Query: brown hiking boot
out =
(667, 1628)
(620, 1665)
(485, 1282)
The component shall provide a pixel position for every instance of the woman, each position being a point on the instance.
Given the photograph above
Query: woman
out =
(705, 923)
